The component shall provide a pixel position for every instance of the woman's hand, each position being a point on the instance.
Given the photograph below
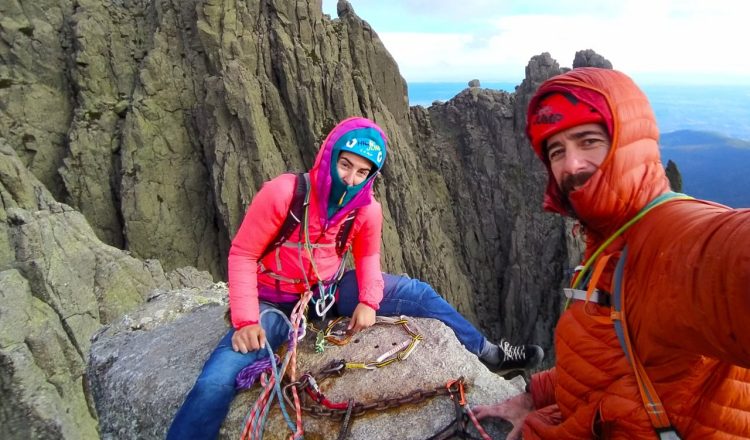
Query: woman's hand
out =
(363, 317)
(249, 338)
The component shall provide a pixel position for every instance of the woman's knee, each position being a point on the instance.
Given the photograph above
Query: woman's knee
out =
(214, 381)
(419, 290)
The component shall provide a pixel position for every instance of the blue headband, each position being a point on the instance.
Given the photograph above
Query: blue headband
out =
(365, 142)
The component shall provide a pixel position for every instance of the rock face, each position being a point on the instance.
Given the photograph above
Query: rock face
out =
(143, 365)
(674, 176)
(133, 135)
(58, 285)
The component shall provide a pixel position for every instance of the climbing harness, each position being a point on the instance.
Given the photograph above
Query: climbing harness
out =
(326, 289)
(298, 215)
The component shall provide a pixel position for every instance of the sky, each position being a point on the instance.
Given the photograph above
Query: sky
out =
(653, 41)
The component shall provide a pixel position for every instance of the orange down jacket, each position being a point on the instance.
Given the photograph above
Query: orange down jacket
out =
(686, 290)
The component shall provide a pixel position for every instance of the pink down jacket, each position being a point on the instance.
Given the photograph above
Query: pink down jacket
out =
(264, 218)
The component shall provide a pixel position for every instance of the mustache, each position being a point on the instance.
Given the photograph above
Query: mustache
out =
(571, 181)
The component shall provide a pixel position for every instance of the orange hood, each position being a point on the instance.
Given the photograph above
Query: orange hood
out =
(631, 175)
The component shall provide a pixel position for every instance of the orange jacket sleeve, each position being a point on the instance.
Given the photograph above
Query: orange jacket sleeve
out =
(542, 388)
(691, 276)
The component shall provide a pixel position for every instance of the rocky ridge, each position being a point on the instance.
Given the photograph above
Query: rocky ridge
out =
(133, 135)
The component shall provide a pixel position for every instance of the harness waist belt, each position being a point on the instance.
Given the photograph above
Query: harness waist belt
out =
(601, 298)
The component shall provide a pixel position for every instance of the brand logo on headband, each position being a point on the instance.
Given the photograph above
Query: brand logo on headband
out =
(372, 146)
(367, 148)
(547, 115)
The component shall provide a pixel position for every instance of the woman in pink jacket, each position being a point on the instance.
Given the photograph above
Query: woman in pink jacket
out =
(260, 278)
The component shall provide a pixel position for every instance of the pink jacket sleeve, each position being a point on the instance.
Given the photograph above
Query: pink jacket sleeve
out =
(366, 252)
(262, 222)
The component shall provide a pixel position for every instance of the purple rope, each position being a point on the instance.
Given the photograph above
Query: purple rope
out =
(247, 377)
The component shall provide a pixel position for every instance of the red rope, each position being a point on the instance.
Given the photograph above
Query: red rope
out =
(251, 424)
(476, 423)
(297, 315)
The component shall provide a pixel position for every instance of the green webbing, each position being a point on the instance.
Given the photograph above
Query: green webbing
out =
(651, 205)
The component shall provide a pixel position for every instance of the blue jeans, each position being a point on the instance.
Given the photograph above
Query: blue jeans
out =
(411, 297)
(207, 404)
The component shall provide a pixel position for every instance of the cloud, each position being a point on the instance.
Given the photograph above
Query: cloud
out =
(441, 40)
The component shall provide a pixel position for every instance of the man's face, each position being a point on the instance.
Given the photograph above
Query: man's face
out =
(576, 153)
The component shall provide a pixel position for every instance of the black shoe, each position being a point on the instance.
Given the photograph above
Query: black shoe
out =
(517, 357)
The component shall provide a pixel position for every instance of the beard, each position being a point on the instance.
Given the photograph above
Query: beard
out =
(572, 181)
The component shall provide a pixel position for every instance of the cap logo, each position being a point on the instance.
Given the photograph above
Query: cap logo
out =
(547, 115)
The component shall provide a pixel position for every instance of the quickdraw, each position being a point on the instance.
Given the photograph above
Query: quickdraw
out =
(458, 427)
(342, 337)
(456, 390)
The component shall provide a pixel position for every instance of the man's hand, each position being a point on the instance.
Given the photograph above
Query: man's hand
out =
(249, 338)
(362, 318)
(513, 410)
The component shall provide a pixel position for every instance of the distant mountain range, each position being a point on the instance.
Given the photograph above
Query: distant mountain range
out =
(713, 166)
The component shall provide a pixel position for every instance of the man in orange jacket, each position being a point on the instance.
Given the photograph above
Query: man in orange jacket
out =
(666, 277)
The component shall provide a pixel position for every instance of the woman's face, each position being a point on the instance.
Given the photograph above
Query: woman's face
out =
(353, 169)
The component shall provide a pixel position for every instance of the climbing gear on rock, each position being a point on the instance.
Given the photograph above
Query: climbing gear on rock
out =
(345, 410)
(458, 426)
(399, 353)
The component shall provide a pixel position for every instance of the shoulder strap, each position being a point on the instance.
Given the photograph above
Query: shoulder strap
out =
(294, 215)
(652, 403)
(344, 232)
(581, 275)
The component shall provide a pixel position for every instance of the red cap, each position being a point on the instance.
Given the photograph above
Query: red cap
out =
(557, 112)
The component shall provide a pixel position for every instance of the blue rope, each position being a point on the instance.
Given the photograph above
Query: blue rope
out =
(277, 386)
(262, 415)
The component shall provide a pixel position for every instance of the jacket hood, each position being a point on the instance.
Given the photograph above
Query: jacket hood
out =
(632, 174)
(320, 174)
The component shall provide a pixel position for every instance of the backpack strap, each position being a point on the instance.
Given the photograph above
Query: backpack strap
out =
(654, 408)
(300, 199)
(344, 232)
(581, 275)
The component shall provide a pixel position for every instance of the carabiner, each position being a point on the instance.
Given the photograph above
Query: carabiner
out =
(321, 308)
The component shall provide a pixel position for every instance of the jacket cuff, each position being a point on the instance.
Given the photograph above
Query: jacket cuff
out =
(241, 324)
(370, 305)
